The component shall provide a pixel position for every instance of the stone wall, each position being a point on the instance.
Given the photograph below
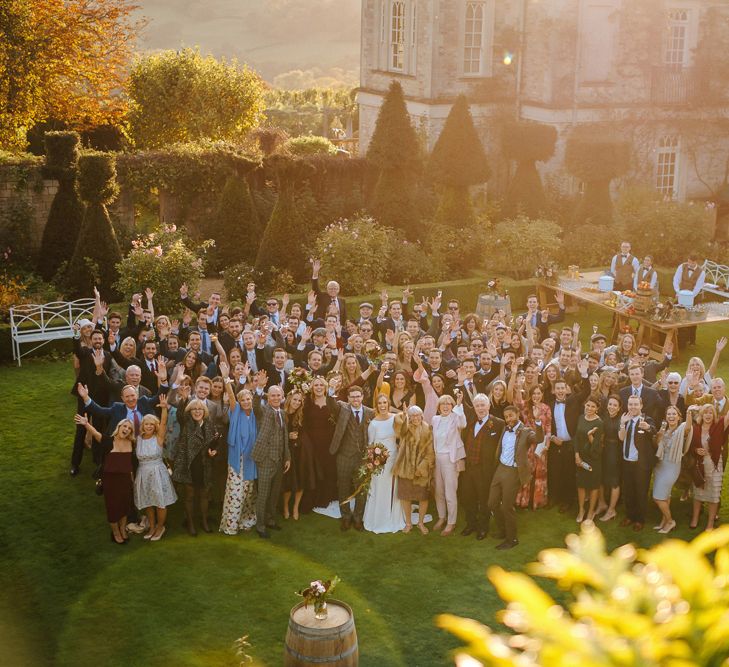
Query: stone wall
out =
(35, 190)
(28, 185)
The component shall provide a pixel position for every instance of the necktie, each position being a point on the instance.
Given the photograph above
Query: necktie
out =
(205, 342)
(280, 418)
(558, 402)
(480, 421)
(359, 419)
(136, 422)
(628, 435)
(469, 386)
(635, 391)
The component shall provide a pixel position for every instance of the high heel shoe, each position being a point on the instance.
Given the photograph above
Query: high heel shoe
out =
(667, 528)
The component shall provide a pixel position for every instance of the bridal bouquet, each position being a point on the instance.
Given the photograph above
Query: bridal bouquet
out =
(301, 379)
(373, 463)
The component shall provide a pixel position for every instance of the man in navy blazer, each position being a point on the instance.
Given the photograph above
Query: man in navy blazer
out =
(331, 296)
(652, 402)
(131, 406)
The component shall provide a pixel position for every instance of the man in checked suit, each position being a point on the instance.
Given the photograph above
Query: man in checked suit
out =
(270, 452)
(348, 443)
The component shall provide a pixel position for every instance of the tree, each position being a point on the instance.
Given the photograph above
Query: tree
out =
(457, 162)
(596, 158)
(97, 251)
(636, 608)
(63, 60)
(236, 227)
(67, 210)
(284, 242)
(395, 151)
(527, 143)
(181, 96)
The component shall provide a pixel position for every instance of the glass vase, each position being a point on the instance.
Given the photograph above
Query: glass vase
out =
(320, 610)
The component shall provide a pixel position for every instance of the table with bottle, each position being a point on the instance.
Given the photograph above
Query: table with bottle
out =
(654, 328)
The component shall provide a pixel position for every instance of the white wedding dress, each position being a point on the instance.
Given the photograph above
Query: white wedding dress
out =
(383, 511)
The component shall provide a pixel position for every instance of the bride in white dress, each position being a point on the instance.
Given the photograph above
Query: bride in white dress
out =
(383, 511)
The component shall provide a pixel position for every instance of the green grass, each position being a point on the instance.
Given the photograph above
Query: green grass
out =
(70, 597)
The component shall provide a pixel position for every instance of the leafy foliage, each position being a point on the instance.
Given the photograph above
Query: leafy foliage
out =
(302, 112)
(664, 229)
(458, 159)
(236, 227)
(527, 143)
(662, 606)
(359, 249)
(64, 218)
(236, 278)
(63, 60)
(181, 96)
(97, 250)
(522, 244)
(395, 151)
(311, 145)
(16, 221)
(162, 260)
(588, 245)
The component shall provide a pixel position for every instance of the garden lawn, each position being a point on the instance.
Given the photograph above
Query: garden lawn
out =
(72, 598)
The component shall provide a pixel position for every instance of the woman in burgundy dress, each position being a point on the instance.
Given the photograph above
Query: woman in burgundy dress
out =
(319, 428)
(116, 452)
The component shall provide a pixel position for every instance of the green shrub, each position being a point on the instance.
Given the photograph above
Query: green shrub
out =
(356, 252)
(457, 162)
(311, 145)
(660, 606)
(589, 245)
(66, 214)
(527, 143)
(16, 221)
(596, 157)
(97, 250)
(415, 262)
(522, 244)
(235, 226)
(236, 278)
(162, 260)
(664, 229)
(395, 151)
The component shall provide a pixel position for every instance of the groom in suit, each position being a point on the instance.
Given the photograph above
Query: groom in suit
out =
(348, 444)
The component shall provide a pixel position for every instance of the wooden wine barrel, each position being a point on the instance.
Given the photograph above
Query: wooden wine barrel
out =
(488, 304)
(332, 641)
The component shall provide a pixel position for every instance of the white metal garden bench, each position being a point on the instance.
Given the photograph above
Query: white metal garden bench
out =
(717, 279)
(44, 323)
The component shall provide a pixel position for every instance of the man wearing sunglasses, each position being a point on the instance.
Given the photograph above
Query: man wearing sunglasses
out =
(651, 368)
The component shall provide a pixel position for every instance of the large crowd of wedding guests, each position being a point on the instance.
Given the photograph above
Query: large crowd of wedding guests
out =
(258, 412)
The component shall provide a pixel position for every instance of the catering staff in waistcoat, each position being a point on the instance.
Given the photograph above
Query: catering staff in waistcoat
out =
(689, 276)
(624, 266)
(646, 274)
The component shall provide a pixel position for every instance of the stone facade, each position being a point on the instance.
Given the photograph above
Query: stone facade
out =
(36, 191)
(629, 63)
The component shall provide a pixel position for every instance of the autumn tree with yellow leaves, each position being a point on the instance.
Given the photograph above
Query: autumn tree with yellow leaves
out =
(64, 60)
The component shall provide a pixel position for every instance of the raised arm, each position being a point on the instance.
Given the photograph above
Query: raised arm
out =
(720, 345)
(162, 429)
(80, 420)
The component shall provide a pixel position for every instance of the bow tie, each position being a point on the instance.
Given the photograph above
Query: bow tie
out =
(510, 429)
(480, 421)
(558, 402)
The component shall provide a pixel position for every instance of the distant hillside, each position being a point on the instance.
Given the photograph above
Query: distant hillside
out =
(292, 43)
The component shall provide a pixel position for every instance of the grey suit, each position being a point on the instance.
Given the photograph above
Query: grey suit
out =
(270, 452)
(348, 443)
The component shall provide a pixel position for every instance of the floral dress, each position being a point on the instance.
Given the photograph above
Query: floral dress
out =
(535, 493)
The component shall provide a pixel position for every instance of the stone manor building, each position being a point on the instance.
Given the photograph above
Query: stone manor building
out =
(654, 71)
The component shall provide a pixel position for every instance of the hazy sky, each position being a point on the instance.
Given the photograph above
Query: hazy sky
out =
(318, 38)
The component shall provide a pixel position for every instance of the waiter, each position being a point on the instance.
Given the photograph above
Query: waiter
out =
(689, 276)
(646, 274)
(624, 266)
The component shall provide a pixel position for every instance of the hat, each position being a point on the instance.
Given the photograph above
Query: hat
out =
(320, 331)
(597, 336)
(366, 305)
(85, 322)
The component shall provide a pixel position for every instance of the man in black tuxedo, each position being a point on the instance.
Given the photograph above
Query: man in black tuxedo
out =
(481, 439)
(276, 372)
(211, 306)
(651, 400)
(94, 368)
(393, 317)
(637, 433)
(467, 385)
(328, 298)
(566, 409)
(233, 337)
(149, 367)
